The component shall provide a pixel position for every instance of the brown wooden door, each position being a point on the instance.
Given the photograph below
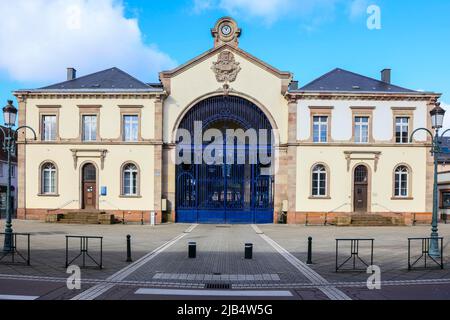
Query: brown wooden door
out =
(360, 189)
(89, 187)
(89, 195)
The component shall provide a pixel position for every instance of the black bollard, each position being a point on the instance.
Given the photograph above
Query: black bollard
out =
(309, 251)
(192, 250)
(129, 249)
(248, 251)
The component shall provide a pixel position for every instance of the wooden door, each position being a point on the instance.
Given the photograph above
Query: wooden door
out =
(89, 187)
(360, 203)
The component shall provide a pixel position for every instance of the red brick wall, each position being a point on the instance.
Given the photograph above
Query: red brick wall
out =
(130, 216)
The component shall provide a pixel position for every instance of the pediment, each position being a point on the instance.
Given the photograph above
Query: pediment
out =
(165, 76)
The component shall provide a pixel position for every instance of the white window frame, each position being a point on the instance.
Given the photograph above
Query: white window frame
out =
(360, 123)
(52, 171)
(402, 126)
(321, 171)
(133, 171)
(322, 124)
(133, 125)
(399, 177)
(49, 128)
(89, 127)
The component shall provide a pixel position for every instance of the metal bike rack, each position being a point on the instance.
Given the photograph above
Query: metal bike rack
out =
(354, 255)
(84, 251)
(15, 252)
(425, 253)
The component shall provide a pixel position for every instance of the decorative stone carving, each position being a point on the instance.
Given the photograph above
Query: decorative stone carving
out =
(226, 68)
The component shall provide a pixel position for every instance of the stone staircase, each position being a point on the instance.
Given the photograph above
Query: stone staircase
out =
(375, 220)
(82, 217)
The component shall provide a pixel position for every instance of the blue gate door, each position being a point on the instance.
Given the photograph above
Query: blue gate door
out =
(224, 193)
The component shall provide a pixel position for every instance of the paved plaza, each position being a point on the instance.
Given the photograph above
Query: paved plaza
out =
(162, 269)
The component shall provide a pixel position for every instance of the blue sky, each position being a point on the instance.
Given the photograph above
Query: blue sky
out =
(40, 38)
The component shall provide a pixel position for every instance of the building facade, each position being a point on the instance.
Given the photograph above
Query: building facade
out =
(338, 145)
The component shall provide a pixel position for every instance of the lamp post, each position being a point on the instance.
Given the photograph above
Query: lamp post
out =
(437, 119)
(9, 145)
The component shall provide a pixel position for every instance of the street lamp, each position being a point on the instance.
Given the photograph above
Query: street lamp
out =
(9, 145)
(437, 120)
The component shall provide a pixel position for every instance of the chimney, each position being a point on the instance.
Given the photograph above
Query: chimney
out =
(386, 75)
(293, 85)
(71, 74)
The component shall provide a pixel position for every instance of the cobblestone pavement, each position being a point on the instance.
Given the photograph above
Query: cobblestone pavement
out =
(390, 249)
(161, 261)
(48, 246)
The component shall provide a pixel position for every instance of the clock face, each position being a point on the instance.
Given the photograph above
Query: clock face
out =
(226, 30)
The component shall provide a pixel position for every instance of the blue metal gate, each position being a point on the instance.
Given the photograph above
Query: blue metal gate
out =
(229, 192)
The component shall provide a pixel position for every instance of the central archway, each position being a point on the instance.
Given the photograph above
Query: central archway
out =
(230, 190)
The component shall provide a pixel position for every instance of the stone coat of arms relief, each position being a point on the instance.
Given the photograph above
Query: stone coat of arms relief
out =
(226, 68)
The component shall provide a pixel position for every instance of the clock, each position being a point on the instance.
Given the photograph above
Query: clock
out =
(226, 30)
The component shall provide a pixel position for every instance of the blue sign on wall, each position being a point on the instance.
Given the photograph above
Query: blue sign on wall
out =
(104, 191)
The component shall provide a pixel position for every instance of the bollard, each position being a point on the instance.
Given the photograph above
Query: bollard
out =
(142, 218)
(248, 251)
(309, 251)
(192, 250)
(129, 249)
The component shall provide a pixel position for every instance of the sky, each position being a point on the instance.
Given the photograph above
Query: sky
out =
(39, 39)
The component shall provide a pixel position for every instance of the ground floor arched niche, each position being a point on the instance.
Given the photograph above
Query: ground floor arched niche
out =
(228, 176)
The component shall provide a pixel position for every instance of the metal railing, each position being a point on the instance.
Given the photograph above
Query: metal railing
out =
(15, 252)
(84, 251)
(325, 223)
(63, 206)
(425, 253)
(354, 255)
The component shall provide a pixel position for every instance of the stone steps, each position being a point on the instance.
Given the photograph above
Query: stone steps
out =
(374, 220)
(82, 217)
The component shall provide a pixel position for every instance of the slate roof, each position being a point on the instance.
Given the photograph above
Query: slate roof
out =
(339, 80)
(106, 80)
(444, 157)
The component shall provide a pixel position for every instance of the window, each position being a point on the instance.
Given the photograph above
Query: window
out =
(401, 182)
(319, 181)
(401, 130)
(48, 127)
(361, 129)
(48, 179)
(89, 128)
(130, 176)
(1, 170)
(320, 129)
(13, 171)
(445, 199)
(130, 127)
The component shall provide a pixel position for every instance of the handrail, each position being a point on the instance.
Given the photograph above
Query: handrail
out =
(63, 206)
(327, 213)
(111, 204)
(384, 207)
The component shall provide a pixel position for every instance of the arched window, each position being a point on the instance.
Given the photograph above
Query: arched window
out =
(401, 183)
(319, 181)
(130, 180)
(48, 178)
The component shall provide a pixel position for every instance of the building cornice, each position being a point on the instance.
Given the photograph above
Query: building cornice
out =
(369, 96)
(22, 95)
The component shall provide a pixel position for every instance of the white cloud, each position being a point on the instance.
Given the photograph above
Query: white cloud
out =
(273, 10)
(358, 8)
(40, 38)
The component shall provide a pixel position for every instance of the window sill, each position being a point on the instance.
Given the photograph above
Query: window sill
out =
(319, 198)
(402, 198)
(48, 195)
(130, 197)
